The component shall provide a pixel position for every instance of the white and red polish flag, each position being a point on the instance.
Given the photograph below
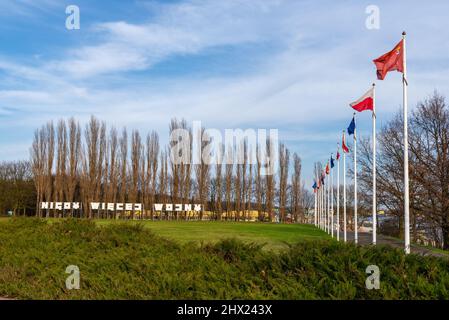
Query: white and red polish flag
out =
(365, 102)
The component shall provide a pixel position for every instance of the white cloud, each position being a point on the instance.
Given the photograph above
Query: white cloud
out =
(179, 29)
(26, 8)
(320, 62)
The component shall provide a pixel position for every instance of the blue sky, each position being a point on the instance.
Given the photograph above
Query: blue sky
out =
(290, 65)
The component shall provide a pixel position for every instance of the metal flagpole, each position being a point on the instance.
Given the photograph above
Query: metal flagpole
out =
(328, 202)
(314, 212)
(324, 200)
(338, 197)
(332, 200)
(356, 235)
(316, 199)
(344, 194)
(324, 203)
(321, 204)
(406, 187)
(374, 168)
(323, 193)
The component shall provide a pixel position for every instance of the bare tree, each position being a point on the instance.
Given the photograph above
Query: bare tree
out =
(259, 183)
(296, 187)
(174, 165)
(284, 159)
(113, 164)
(49, 134)
(74, 150)
(219, 181)
(239, 153)
(270, 180)
(229, 180)
(136, 154)
(61, 161)
(38, 161)
(91, 163)
(152, 168)
(249, 189)
(123, 142)
(163, 177)
(202, 172)
(428, 163)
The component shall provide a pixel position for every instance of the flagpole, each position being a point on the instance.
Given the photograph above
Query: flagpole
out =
(344, 193)
(406, 186)
(316, 198)
(321, 205)
(321, 202)
(331, 176)
(314, 212)
(374, 168)
(324, 201)
(338, 197)
(356, 235)
(328, 201)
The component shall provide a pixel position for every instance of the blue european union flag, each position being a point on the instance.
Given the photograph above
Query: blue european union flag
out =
(332, 162)
(351, 127)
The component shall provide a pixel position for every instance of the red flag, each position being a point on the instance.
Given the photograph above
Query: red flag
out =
(365, 102)
(343, 145)
(327, 168)
(338, 155)
(390, 61)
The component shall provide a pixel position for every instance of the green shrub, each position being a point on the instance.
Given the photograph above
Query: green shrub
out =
(127, 261)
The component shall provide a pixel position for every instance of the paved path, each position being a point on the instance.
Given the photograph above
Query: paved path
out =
(366, 238)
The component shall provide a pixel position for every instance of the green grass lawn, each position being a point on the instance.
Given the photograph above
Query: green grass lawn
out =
(271, 235)
(274, 236)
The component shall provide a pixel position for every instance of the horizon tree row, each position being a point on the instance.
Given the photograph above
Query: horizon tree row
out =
(97, 164)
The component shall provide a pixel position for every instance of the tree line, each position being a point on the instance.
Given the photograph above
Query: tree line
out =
(95, 163)
(17, 193)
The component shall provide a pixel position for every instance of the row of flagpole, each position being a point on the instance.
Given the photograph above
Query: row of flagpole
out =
(323, 183)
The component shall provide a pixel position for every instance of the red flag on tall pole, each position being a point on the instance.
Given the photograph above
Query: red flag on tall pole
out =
(390, 61)
(365, 102)
(396, 59)
(343, 144)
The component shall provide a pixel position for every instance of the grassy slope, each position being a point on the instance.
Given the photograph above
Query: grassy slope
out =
(127, 261)
(273, 236)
